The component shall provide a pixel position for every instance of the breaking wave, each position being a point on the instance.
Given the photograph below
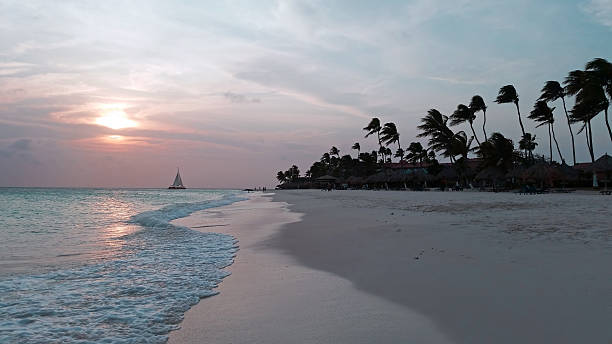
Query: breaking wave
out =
(138, 295)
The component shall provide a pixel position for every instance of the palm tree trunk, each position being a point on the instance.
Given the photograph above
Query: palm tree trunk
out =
(518, 111)
(550, 142)
(473, 132)
(592, 154)
(586, 134)
(569, 125)
(484, 122)
(608, 123)
(591, 140)
(552, 128)
(380, 146)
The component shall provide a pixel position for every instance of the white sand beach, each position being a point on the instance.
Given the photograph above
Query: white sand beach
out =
(413, 267)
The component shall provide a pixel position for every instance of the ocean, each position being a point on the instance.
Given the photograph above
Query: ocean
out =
(105, 265)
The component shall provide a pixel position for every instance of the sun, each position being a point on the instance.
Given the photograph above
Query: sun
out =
(115, 119)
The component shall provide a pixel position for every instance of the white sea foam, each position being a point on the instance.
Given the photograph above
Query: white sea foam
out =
(136, 296)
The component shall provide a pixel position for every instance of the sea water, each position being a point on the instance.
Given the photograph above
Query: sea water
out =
(104, 265)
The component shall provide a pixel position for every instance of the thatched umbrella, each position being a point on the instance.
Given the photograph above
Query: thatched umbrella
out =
(421, 176)
(380, 177)
(352, 180)
(448, 174)
(567, 172)
(604, 164)
(516, 173)
(327, 179)
(542, 172)
(492, 174)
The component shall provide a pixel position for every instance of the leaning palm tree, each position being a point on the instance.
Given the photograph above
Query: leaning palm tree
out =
(357, 147)
(461, 144)
(552, 91)
(543, 114)
(591, 86)
(589, 102)
(280, 176)
(497, 151)
(601, 73)
(464, 114)
(374, 128)
(507, 94)
(434, 125)
(478, 104)
(389, 134)
(441, 137)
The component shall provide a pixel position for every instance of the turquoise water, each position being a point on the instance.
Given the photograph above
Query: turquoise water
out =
(104, 265)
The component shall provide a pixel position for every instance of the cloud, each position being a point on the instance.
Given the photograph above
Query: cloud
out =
(240, 98)
(18, 146)
(601, 10)
(21, 145)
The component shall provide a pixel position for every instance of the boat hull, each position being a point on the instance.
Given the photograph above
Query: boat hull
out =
(176, 187)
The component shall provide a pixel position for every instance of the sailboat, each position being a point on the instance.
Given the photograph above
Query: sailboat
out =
(178, 182)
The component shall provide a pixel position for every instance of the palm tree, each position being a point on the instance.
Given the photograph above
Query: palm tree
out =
(528, 144)
(293, 173)
(374, 127)
(280, 176)
(507, 94)
(416, 153)
(334, 151)
(497, 151)
(357, 147)
(543, 114)
(382, 151)
(478, 104)
(464, 114)
(601, 73)
(552, 91)
(589, 102)
(461, 144)
(389, 134)
(399, 154)
(441, 137)
(326, 159)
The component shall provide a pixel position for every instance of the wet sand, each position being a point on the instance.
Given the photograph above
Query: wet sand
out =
(388, 267)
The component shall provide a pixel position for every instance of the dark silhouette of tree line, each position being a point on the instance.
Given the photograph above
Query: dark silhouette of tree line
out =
(591, 87)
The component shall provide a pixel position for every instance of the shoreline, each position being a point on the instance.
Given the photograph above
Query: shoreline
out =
(271, 298)
(363, 266)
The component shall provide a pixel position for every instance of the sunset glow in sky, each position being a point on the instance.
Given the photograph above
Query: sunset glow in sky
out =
(120, 93)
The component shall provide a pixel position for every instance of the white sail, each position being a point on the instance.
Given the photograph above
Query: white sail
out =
(178, 182)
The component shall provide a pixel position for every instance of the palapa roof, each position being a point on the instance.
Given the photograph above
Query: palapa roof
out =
(326, 178)
(379, 177)
(421, 176)
(448, 173)
(491, 173)
(604, 163)
(516, 172)
(543, 172)
(567, 172)
(355, 180)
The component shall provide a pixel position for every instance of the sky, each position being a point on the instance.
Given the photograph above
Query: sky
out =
(121, 93)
